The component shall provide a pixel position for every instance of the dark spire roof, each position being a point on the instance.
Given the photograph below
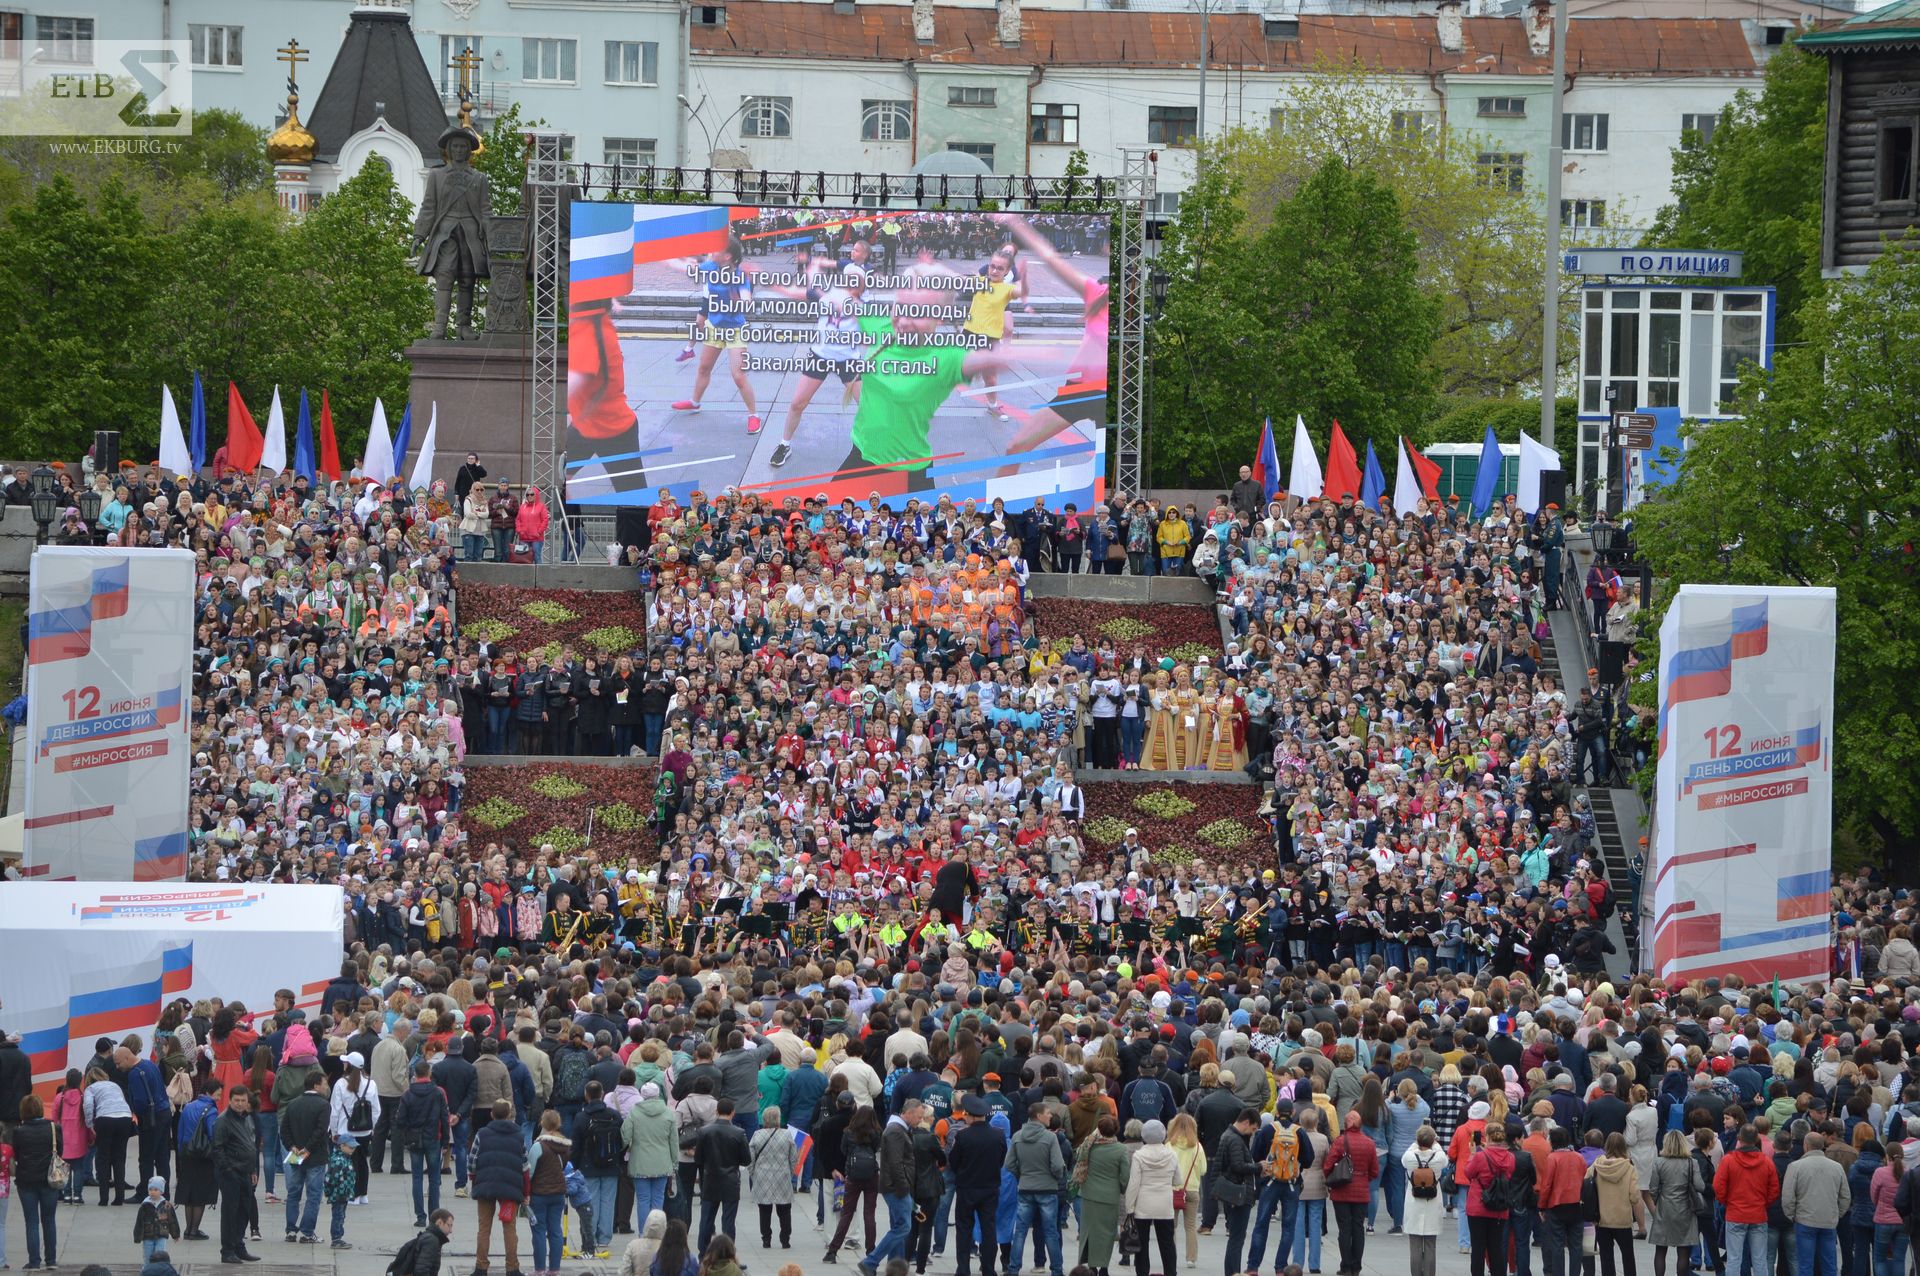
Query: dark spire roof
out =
(379, 62)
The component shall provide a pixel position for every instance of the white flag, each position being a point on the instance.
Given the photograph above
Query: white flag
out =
(273, 453)
(1406, 485)
(422, 476)
(1535, 459)
(174, 456)
(376, 462)
(1306, 479)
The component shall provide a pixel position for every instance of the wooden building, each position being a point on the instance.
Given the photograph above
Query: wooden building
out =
(1873, 133)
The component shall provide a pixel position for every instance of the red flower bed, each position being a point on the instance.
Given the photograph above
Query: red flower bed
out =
(601, 624)
(1216, 824)
(1164, 629)
(549, 801)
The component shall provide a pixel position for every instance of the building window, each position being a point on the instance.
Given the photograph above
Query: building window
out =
(451, 47)
(1897, 161)
(1055, 122)
(1503, 170)
(65, 39)
(767, 117)
(1583, 132)
(1583, 214)
(1504, 107)
(1166, 204)
(1286, 121)
(982, 151)
(214, 45)
(708, 15)
(1412, 126)
(970, 95)
(546, 61)
(625, 153)
(886, 120)
(1172, 125)
(633, 62)
(1701, 124)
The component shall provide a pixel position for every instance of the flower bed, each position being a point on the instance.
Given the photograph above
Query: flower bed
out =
(603, 624)
(1215, 824)
(1164, 629)
(549, 801)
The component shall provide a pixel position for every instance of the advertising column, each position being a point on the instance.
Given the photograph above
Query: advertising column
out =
(109, 680)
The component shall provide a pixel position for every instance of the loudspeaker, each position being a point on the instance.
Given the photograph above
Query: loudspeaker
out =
(1613, 663)
(106, 454)
(630, 527)
(1553, 488)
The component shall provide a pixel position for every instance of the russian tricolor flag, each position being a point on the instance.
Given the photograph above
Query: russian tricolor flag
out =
(176, 970)
(163, 858)
(64, 633)
(1806, 744)
(1705, 672)
(1805, 894)
(600, 255)
(46, 1050)
(110, 590)
(111, 1011)
(665, 231)
(1750, 630)
(1266, 464)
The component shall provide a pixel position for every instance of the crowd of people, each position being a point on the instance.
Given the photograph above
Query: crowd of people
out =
(872, 957)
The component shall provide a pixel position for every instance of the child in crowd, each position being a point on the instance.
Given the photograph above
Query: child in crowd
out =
(156, 1223)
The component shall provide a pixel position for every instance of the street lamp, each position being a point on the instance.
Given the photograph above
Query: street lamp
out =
(1157, 282)
(43, 488)
(89, 505)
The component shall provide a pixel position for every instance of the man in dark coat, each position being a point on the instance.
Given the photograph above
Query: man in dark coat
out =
(499, 1170)
(719, 1155)
(953, 885)
(978, 1152)
(1248, 496)
(16, 1082)
(236, 1164)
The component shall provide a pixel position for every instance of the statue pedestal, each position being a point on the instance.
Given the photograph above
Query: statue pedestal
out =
(484, 390)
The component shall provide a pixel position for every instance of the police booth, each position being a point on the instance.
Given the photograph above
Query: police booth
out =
(1664, 352)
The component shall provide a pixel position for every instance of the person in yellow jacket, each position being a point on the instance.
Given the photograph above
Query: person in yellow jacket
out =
(1173, 534)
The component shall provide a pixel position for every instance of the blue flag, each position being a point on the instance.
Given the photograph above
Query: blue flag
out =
(402, 440)
(303, 443)
(1374, 485)
(197, 426)
(1266, 466)
(1486, 479)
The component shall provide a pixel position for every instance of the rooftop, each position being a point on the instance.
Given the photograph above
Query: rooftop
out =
(1894, 24)
(1062, 38)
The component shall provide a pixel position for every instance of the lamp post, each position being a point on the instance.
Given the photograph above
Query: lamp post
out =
(89, 504)
(44, 495)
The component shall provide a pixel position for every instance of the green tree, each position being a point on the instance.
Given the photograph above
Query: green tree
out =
(1818, 485)
(1480, 245)
(359, 304)
(1320, 312)
(1465, 420)
(1755, 186)
(74, 293)
(503, 158)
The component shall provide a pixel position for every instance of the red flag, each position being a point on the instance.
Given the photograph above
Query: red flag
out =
(1343, 467)
(245, 443)
(329, 449)
(1427, 472)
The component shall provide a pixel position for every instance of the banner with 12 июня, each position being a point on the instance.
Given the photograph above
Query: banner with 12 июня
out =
(109, 685)
(795, 353)
(84, 960)
(1743, 831)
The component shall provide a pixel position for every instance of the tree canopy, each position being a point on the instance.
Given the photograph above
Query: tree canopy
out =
(1819, 484)
(1318, 311)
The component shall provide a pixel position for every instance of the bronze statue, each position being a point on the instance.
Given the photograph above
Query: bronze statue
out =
(451, 230)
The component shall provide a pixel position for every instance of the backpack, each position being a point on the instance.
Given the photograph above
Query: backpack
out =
(404, 1259)
(1149, 1103)
(1283, 1160)
(1499, 1193)
(603, 1150)
(360, 1115)
(338, 1185)
(570, 1076)
(1422, 1181)
(863, 1162)
(200, 1141)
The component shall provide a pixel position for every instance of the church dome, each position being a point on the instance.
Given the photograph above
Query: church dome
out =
(291, 143)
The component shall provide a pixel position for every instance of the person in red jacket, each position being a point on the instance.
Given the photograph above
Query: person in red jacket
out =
(1487, 1219)
(1350, 1198)
(1747, 1185)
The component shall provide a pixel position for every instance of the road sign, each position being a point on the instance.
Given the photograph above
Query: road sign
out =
(1634, 430)
(1686, 263)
